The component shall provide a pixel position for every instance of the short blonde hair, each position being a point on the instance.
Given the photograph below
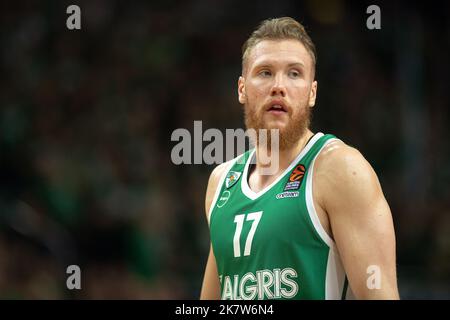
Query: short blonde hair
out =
(279, 29)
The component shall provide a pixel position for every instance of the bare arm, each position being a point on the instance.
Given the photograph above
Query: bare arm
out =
(360, 220)
(211, 285)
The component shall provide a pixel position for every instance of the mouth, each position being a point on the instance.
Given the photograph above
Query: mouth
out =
(277, 107)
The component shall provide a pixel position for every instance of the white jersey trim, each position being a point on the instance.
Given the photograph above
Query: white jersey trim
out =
(310, 202)
(249, 193)
(335, 273)
(335, 276)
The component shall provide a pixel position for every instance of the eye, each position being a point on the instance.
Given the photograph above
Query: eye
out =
(294, 74)
(265, 73)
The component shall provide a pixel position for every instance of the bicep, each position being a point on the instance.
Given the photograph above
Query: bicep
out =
(367, 244)
(362, 227)
(211, 285)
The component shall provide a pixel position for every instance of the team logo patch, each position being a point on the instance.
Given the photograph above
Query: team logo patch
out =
(287, 194)
(296, 178)
(232, 178)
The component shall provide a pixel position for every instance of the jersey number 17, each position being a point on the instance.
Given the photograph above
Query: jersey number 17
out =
(239, 220)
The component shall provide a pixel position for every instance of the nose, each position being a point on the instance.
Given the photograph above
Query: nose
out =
(278, 88)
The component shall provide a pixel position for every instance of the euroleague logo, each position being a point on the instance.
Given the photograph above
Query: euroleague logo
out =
(295, 179)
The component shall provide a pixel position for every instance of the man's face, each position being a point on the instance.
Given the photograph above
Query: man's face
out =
(277, 89)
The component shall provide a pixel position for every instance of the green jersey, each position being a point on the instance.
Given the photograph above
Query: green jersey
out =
(270, 244)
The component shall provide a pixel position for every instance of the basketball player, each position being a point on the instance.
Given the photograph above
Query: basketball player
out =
(319, 227)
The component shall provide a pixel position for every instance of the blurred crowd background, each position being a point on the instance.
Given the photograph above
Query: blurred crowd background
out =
(86, 118)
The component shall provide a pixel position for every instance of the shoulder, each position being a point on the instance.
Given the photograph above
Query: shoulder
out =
(217, 173)
(341, 172)
(338, 158)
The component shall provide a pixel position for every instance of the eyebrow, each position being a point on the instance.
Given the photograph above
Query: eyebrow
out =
(265, 64)
(296, 64)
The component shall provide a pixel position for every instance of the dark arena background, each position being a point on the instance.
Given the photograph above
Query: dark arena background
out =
(87, 115)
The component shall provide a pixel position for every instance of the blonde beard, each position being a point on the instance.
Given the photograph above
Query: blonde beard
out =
(288, 136)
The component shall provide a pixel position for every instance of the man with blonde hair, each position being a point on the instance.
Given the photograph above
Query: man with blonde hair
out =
(319, 227)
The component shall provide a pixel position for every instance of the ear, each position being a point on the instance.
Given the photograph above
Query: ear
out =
(312, 94)
(241, 90)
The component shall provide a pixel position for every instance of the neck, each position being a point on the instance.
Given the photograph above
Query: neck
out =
(266, 159)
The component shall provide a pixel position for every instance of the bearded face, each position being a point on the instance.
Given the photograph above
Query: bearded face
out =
(298, 121)
(278, 91)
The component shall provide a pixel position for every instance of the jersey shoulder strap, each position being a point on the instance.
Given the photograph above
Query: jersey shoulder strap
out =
(315, 149)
